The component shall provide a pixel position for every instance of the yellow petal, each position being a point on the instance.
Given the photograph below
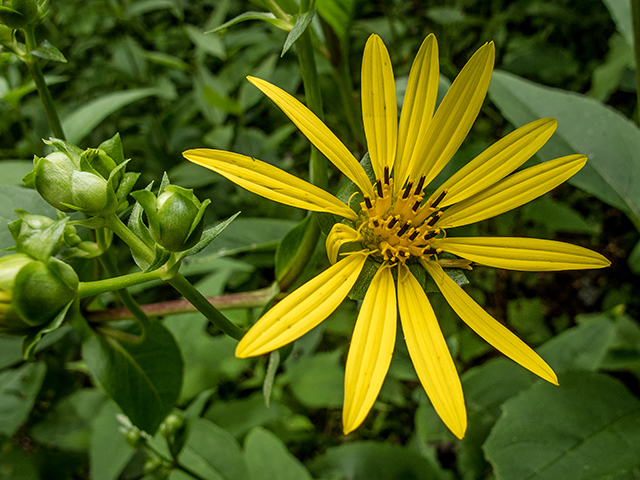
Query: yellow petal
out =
(371, 349)
(417, 108)
(455, 115)
(488, 327)
(513, 191)
(318, 133)
(379, 105)
(268, 181)
(303, 309)
(429, 353)
(497, 161)
(338, 236)
(526, 254)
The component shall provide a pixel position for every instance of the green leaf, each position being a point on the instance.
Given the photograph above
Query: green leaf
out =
(213, 453)
(109, 451)
(634, 259)
(267, 457)
(621, 14)
(610, 140)
(289, 248)
(82, 121)
(210, 234)
(18, 391)
(270, 376)
(212, 44)
(318, 381)
(48, 52)
(222, 102)
(587, 428)
(338, 14)
(68, 424)
(144, 378)
(238, 416)
(374, 460)
(13, 171)
(263, 16)
(302, 22)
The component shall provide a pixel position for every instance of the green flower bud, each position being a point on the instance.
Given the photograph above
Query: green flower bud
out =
(171, 424)
(91, 193)
(175, 217)
(18, 13)
(50, 177)
(33, 292)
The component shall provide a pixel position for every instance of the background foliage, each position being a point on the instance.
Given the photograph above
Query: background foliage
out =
(146, 69)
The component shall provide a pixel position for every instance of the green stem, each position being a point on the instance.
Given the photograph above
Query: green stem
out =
(89, 289)
(41, 85)
(274, 8)
(178, 282)
(635, 18)
(189, 292)
(253, 299)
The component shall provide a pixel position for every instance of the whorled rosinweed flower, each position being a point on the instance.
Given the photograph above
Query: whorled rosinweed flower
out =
(33, 293)
(175, 216)
(395, 225)
(91, 181)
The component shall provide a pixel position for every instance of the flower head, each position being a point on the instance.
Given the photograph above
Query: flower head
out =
(398, 227)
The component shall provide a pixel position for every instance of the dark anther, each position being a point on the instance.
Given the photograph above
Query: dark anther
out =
(407, 190)
(379, 189)
(386, 174)
(392, 222)
(416, 206)
(403, 229)
(367, 202)
(413, 236)
(376, 223)
(420, 185)
(437, 201)
(429, 236)
(434, 219)
(429, 251)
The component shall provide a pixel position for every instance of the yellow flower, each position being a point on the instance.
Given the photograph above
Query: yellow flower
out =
(398, 228)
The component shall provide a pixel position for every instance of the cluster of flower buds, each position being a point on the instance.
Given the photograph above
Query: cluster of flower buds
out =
(21, 13)
(91, 181)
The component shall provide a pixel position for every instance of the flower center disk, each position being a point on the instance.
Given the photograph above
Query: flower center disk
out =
(399, 227)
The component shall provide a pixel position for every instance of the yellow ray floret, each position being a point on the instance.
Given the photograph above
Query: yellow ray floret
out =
(303, 309)
(430, 354)
(371, 349)
(268, 181)
(317, 133)
(488, 327)
(379, 105)
(526, 254)
(513, 191)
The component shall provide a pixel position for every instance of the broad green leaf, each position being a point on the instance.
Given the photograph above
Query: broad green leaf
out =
(318, 381)
(213, 453)
(302, 22)
(144, 378)
(14, 96)
(212, 44)
(238, 416)
(81, 122)
(68, 424)
(222, 102)
(18, 391)
(608, 75)
(13, 171)
(588, 428)
(109, 451)
(374, 460)
(48, 52)
(608, 139)
(267, 457)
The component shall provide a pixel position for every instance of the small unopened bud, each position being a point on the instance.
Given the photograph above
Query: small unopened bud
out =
(91, 193)
(51, 178)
